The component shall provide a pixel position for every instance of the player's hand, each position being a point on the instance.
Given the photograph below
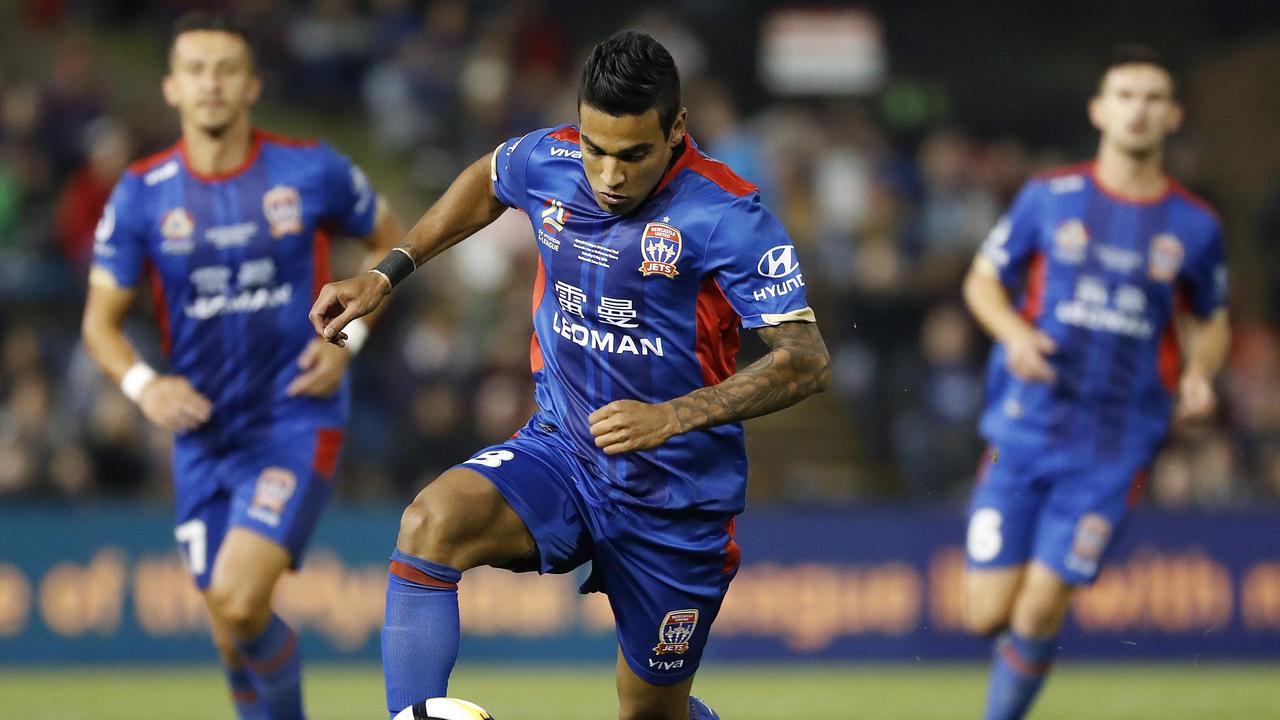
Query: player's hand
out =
(341, 302)
(322, 366)
(1196, 397)
(630, 425)
(1026, 351)
(172, 403)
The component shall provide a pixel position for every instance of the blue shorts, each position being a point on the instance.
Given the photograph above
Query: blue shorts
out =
(665, 574)
(276, 487)
(1060, 509)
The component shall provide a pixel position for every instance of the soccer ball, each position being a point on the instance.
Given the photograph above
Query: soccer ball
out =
(443, 709)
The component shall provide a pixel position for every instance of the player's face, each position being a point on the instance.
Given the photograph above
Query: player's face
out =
(211, 80)
(1135, 109)
(625, 156)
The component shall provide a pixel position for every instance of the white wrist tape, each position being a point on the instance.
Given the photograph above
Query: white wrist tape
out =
(357, 332)
(136, 379)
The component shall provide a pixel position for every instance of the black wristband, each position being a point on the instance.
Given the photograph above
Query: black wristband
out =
(396, 265)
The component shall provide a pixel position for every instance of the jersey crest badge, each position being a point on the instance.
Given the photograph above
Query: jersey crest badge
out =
(1070, 241)
(1166, 257)
(177, 227)
(660, 247)
(283, 208)
(675, 631)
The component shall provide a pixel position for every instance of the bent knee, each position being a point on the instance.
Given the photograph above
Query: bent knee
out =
(237, 611)
(434, 531)
(986, 622)
(1039, 615)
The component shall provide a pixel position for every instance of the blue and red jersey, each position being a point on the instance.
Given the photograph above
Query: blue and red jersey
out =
(234, 262)
(1105, 278)
(647, 306)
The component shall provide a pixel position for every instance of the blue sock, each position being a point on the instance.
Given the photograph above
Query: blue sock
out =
(243, 695)
(276, 668)
(1017, 673)
(420, 633)
(699, 710)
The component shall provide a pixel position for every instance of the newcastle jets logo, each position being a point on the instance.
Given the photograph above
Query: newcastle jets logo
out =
(555, 216)
(282, 206)
(660, 247)
(675, 632)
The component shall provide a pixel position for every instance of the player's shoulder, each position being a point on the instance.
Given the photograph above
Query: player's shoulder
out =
(276, 140)
(1194, 209)
(154, 169)
(1062, 180)
(550, 145)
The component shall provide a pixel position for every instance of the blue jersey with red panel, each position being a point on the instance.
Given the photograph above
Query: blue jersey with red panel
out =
(646, 306)
(1103, 277)
(234, 262)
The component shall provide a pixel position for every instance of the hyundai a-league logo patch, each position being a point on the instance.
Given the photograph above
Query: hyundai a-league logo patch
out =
(675, 631)
(283, 208)
(660, 247)
(555, 216)
(275, 486)
(1165, 258)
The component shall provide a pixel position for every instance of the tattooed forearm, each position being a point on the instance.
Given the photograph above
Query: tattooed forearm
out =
(797, 366)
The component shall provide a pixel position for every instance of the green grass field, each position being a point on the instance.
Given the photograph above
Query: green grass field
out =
(856, 692)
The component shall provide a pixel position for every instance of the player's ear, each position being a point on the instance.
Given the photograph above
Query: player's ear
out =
(1176, 116)
(1095, 112)
(255, 87)
(676, 136)
(169, 87)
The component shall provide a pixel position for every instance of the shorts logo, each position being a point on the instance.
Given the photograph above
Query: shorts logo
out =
(555, 216)
(491, 459)
(1166, 257)
(675, 631)
(283, 208)
(1093, 532)
(275, 486)
(660, 247)
(778, 262)
(1070, 240)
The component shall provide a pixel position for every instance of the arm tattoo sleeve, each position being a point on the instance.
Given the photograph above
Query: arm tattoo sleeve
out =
(796, 366)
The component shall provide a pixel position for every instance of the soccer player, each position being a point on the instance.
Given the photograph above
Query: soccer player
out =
(230, 226)
(1123, 312)
(651, 256)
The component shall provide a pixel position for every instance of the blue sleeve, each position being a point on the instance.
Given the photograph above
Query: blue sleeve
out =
(120, 240)
(350, 201)
(753, 261)
(1012, 242)
(1205, 276)
(507, 168)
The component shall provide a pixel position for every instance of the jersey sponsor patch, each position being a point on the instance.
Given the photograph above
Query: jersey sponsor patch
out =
(1165, 258)
(660, 246)
(275, 486)
(675, 631)
(282, 207)
(778, 262)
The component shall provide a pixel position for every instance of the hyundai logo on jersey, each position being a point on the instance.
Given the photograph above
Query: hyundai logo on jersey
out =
(778, 262)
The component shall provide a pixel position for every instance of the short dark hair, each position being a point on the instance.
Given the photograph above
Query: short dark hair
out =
(197, 20)
(628, 74)
(1137, 54)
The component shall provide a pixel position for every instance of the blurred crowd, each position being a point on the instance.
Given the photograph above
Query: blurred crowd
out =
(886, 219)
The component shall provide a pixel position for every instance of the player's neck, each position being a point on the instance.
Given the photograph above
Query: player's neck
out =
(1129, 176)
(217, 154)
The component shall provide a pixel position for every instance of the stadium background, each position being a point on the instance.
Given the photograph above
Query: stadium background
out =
(888, 136)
